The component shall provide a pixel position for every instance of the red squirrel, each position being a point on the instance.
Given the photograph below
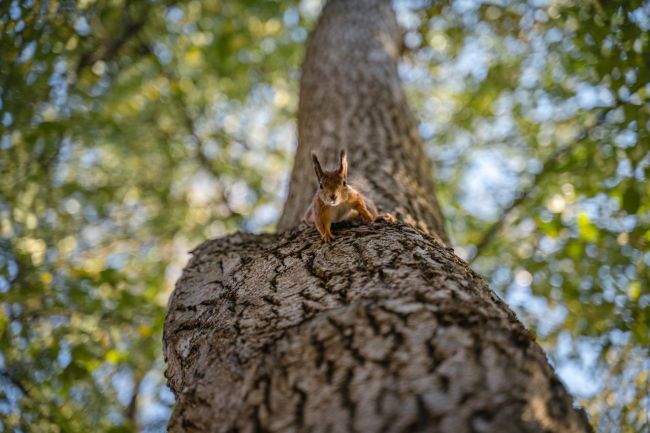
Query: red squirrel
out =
(337, 201)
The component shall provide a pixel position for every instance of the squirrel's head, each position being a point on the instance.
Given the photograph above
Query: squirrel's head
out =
(332, 185)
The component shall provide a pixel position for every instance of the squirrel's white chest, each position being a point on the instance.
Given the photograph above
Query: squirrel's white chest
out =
(341, 212)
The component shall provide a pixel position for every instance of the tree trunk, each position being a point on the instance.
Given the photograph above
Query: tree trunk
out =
(383, 330)
(351, 97)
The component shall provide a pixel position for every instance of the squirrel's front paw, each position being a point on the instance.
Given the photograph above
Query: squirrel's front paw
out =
(327, 237)
(388, 217)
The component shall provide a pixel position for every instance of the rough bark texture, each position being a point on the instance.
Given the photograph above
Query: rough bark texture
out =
(351, 97)
(383, 330)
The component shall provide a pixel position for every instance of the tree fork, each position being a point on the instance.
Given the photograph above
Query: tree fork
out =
(383, 330)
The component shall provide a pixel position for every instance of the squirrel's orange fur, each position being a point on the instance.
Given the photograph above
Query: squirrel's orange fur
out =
(337, 201)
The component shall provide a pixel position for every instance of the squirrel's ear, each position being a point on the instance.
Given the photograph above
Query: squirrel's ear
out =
(317, 167)
(343, 167)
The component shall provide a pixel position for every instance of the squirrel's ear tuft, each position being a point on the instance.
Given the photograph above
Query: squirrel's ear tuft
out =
(343, 166)
(317, 167)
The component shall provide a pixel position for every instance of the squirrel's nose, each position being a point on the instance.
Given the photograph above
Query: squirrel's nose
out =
(333, 197)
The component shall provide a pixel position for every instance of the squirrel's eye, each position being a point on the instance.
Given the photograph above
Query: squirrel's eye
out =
(345, 183)
(320, 185)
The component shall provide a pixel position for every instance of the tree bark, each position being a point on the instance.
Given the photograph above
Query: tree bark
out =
(351, 97)
(383, 330)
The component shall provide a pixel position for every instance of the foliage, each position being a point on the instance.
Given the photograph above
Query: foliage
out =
(132, 131)
(548, 104)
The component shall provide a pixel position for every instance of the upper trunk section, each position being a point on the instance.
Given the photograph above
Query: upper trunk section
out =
(351, 97)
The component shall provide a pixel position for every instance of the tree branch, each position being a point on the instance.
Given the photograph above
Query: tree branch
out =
(15, 382)
(131, 411)
(111, 47)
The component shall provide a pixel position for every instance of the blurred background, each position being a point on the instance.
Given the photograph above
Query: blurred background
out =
(132, 131)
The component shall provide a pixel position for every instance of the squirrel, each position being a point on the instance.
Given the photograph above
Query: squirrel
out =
(335, 200)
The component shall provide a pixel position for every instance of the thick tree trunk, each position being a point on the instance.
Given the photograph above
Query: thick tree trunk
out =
(383, 330)
(351, 97)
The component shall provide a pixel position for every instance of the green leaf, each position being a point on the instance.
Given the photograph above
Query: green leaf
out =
(631, 200)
